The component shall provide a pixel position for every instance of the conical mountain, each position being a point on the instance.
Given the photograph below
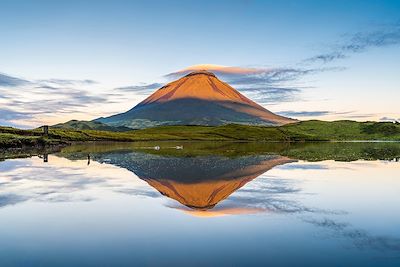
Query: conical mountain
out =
(199, 98)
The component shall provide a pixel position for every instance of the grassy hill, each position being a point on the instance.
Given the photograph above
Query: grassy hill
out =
(345, 130)
(297, 132)
(89, 125)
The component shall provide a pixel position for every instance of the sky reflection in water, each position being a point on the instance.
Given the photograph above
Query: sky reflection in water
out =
(137, 207)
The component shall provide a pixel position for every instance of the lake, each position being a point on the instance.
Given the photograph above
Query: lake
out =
(202, 204)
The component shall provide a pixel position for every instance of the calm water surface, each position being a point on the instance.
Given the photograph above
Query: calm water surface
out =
(203, 205)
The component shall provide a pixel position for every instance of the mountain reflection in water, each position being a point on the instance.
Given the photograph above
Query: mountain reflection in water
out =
(203, 175)
(332, 203)
(196, 182)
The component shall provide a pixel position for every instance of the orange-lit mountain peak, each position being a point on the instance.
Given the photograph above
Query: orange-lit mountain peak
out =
(200, 72)
(198, 98)
(199, 84)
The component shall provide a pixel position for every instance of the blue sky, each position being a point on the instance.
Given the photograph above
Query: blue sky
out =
(330, 60)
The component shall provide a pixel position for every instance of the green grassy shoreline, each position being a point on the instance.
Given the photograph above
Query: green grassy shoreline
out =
(306, 131)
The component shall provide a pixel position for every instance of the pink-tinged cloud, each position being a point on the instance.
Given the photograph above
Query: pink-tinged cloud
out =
(218, 69)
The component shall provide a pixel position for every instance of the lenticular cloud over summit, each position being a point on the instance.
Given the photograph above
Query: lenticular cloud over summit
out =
(216, 69)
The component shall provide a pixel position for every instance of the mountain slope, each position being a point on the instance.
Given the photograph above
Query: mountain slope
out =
(198, 98)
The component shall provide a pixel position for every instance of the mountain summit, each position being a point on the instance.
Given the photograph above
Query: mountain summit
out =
(199, 98)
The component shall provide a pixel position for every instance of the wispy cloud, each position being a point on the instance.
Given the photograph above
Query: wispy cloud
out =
(360, 42)
(9, 114)
(272, 95)
(142, 89)
(320, 113)
(389, 119)
(25, 103)
(10, 81)
(360, 115)
(316, 113)
(67, 82)
(269, 76)
(13, 118)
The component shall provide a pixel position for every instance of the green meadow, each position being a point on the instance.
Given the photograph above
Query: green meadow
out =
(306, 131)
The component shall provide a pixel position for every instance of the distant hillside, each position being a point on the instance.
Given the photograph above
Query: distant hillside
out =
(90, 125)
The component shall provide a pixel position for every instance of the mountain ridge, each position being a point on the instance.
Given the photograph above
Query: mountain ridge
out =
(198, 98)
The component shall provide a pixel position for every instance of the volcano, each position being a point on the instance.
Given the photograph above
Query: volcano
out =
(199, 98)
